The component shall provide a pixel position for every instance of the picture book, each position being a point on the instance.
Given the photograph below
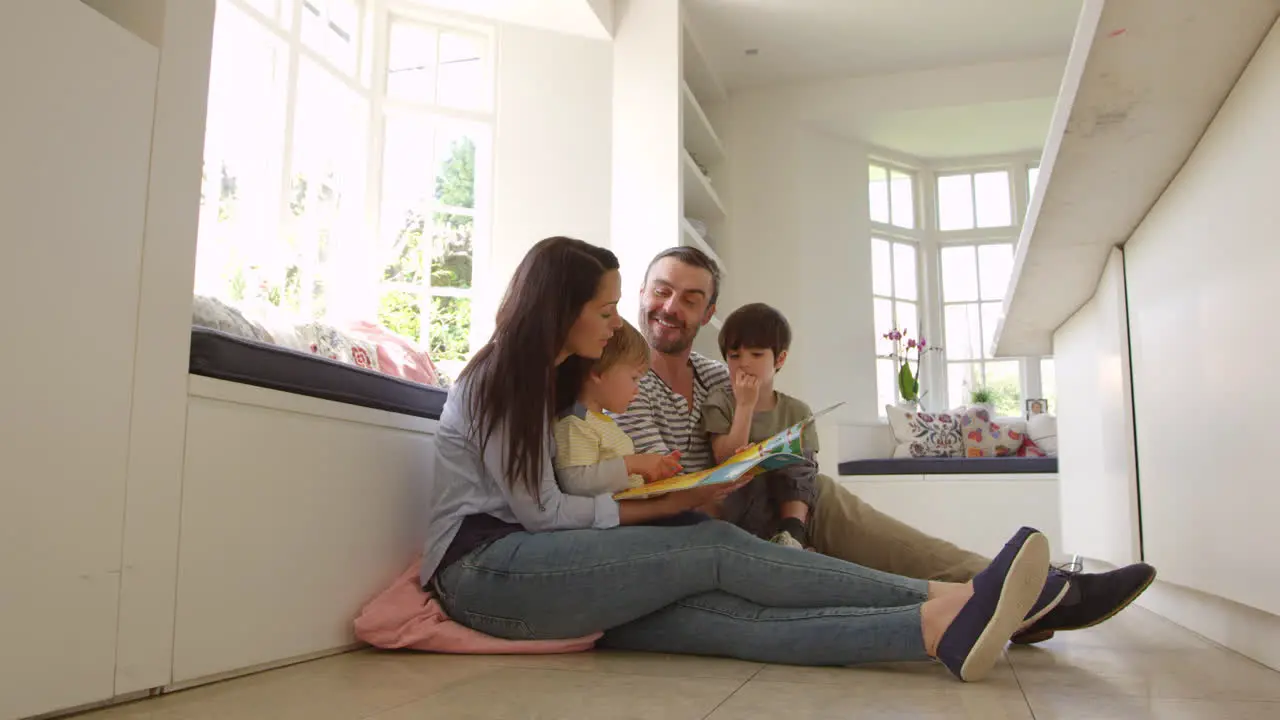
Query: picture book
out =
(778, 451)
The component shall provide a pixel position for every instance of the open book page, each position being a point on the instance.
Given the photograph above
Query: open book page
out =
(782, 449)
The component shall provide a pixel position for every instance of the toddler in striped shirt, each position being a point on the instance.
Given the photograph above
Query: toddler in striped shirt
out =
(593, 455)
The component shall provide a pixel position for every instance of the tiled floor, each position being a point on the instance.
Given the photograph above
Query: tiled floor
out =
(1137, 666)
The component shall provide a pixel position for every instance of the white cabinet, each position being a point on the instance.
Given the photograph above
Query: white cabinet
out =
(1095, 426)
(75, 138)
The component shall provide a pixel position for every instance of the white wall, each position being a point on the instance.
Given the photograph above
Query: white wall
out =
(1096, 460)
(551, 152)
(1202, 270)
(799, 223)
(797, 205)
(80, 94)
(144, 18)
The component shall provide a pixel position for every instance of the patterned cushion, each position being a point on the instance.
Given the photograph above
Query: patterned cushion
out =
(985, 436)
(923, 434)
(327, 341)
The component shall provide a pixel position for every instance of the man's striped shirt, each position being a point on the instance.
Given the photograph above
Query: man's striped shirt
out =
(660, 419)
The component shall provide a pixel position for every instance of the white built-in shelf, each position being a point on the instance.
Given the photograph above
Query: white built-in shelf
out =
(691, 238)
(697, 71)
(700, 138)
(1132, 106)
(700, 199)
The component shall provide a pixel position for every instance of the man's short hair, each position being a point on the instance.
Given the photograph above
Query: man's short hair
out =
(696, 258)
(755, 326)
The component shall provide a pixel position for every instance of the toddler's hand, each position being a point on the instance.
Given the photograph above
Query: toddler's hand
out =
(653, 467)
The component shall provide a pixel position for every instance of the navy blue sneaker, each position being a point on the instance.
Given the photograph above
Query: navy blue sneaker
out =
(1003, 594)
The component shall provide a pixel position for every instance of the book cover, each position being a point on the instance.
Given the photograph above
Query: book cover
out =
(779, 450)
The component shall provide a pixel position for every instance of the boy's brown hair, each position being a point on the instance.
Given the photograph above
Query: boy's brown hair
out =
(755, 326)
(626, 346)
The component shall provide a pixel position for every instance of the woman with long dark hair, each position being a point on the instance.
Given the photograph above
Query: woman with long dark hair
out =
(510, 555)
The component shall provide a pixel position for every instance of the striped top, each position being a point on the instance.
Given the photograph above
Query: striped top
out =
(584, 440)
(660, 420)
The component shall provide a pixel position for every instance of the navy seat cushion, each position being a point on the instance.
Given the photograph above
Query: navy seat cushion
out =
(950, 466)
(228, 357)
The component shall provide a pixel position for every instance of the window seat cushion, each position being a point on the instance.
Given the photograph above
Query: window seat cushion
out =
(950, 466)
(227, 357)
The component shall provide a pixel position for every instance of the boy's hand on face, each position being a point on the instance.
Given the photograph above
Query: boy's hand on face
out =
(746, 390)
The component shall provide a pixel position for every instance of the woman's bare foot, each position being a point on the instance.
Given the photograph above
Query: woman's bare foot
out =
(946, 600)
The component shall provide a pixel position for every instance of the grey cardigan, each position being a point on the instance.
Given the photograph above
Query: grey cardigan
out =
(465, 483)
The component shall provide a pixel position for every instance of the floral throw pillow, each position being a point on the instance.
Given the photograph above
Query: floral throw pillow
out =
(327, 341)
(923, 434)
(985, 436)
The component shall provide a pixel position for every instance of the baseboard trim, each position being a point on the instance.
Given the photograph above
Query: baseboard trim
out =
(1249, 631)
(255, 669)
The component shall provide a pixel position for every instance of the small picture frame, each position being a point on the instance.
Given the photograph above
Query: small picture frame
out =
(1037, 406)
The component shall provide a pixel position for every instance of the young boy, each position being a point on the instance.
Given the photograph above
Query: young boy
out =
(754, 341)
(593, 455)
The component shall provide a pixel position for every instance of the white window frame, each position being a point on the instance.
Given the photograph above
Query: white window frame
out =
(895, 234)
(368, 80)
(385, 107)
(930, 240)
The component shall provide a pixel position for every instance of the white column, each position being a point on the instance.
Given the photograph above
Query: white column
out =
(646, 138)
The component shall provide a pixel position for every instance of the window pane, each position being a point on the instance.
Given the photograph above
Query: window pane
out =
(1004, 378)
(963, 334)
(881, 268)
(962, 378)
(884, 323)
(421, 245)
(408, 151)
(1033, 177)
(462, 82)
(959, 274)
(400, 311)
(995, 265)
(327, 183)
(955, 202)
(411, 63)
(450, 329)
(451, 250)
(907, 319)
(902, 196)
(455, 168)
(886, 385)
(991, 314)
(904, 271)
(238, 246)
(991, 191)
(1049, 383)
(878, 189)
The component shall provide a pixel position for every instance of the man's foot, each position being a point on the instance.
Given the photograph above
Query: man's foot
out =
(1056, 586)
(784, 538)
(1090, 599)
(1003, 595)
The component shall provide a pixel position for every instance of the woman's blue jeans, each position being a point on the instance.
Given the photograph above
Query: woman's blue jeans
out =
(705, 589)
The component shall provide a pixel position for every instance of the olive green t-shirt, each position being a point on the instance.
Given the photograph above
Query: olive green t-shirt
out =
(718, 409)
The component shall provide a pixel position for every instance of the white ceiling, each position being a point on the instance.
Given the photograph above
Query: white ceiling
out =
(961, 131)
(815, 39)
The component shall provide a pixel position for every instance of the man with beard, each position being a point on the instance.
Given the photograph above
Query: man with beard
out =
(677, 298)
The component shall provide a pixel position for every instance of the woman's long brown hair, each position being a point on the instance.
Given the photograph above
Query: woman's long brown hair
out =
(511, 381)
